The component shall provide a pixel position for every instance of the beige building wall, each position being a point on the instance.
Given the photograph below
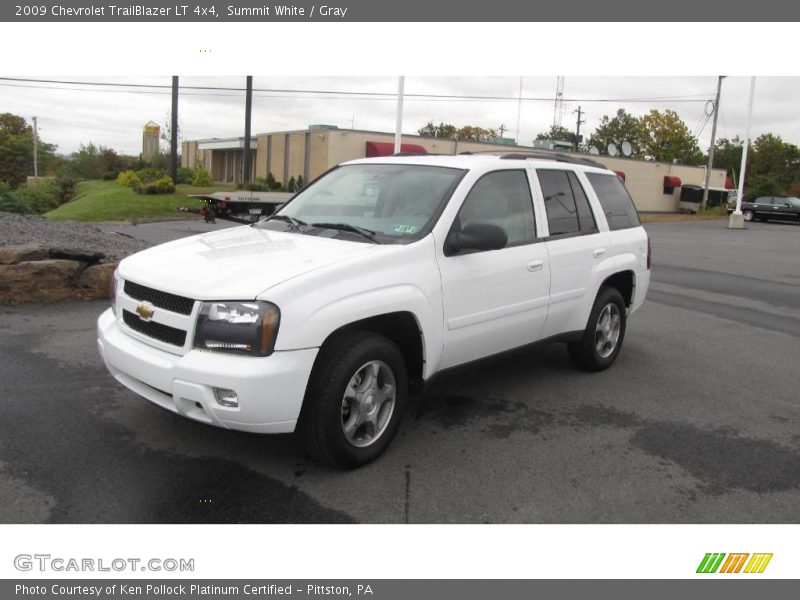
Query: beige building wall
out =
(297, 155)
(329, 147)
(261, 154)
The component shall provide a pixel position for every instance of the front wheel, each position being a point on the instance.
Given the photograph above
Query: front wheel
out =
(355, 399)
(602, 338)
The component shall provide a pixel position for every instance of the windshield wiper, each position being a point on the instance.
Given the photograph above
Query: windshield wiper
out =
(294, 224)
(362, 231)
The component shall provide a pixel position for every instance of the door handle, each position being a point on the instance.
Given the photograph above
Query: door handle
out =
(535, 265)
(598, 252)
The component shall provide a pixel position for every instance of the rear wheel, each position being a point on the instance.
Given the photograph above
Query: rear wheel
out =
(602, 338)
(748, 215)
(355, 399)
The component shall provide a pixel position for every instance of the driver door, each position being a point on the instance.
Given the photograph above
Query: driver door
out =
(495, 300)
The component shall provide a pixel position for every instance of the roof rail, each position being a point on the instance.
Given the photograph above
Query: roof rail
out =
(556, 156)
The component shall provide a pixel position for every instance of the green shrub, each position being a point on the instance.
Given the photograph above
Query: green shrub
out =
(202, 178)
(292, 185)
(129, 179)
(149, 174)
(66, 185)
(184, 175)
(38, 198)
(9, 202)
(272, 184)
(110, 175)
(162, 186)
(299, 183)
(256, 187)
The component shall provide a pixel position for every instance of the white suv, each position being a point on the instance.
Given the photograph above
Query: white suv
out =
(373, 279)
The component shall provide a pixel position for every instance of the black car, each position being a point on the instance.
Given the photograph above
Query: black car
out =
(766, 208)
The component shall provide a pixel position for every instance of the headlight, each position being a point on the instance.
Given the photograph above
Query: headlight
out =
(243, 327)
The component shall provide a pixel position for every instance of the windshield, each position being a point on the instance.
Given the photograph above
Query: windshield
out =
(396, 203)
(793, 202)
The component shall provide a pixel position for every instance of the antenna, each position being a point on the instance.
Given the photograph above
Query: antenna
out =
(627, 149)
(558, 108)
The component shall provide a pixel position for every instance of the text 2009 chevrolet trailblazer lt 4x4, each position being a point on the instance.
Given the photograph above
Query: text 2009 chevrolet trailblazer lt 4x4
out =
(377, 276)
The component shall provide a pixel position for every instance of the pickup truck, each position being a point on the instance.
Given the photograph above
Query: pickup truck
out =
(375, 278)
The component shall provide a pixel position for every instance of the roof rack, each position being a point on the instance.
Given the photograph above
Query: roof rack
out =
(556, 156)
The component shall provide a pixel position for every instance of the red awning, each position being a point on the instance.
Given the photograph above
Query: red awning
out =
(729, 185)
(671, 182)
(387, 149)
(620, 174)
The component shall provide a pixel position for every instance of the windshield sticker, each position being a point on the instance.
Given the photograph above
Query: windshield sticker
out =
(404, 228)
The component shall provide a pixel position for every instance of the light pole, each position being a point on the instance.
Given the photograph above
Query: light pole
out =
(35, 149)
(398, 128)
(736, 220)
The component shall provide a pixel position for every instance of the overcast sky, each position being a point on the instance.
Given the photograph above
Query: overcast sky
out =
(73, 114)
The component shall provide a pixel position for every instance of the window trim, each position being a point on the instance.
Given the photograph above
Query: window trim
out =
(603, 209)
(536, 239)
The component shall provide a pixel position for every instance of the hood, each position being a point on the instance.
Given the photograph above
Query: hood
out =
(235, 264)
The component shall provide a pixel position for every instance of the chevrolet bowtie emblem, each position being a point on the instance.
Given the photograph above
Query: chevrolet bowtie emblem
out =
(145, 310)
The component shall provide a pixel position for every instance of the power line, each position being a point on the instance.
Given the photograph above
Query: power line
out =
(685, 98)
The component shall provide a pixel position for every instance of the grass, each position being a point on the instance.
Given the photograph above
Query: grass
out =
(715, 213)
(108, 201)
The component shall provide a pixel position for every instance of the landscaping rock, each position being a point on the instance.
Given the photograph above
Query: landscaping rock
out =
(17, 253)
(94, 282)
(40, 281)
(87, 256)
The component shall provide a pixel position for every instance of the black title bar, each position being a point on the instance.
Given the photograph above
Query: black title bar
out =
(339, 11)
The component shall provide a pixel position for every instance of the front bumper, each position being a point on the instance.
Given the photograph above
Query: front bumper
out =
(270, 389)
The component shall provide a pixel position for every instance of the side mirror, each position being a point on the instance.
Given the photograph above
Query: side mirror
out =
(477, 236)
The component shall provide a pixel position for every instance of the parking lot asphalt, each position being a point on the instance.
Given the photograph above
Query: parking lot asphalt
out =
(697, 422)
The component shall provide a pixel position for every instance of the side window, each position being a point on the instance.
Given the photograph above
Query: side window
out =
(585, 214)
(559, 201)
(764, 200)
(502, 198)
(615, 200)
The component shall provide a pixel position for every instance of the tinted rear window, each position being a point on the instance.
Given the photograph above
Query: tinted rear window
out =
(615, 200)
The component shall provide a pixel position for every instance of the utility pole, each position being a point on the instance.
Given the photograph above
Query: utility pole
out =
(704, 203)
(35, 148)
(173, 142)
(578, 128)
(248, 110)
(398, 128)
(502, 129)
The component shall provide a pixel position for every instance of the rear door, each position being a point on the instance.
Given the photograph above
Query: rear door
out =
(495, 300)
(575, 246)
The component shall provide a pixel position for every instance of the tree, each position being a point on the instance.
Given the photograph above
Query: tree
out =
(557, 133)
(666, 138)
(93, 162)
(442, 130)
(774, 159)
(624, 127)
(728, 154)
(468, 133)
(471, 133)
(16, 151)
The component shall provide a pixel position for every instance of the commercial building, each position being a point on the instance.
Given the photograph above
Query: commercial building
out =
(655, 186)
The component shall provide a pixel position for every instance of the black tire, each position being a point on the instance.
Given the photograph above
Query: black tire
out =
(585, 354)
(325, 406)
(748, 215)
